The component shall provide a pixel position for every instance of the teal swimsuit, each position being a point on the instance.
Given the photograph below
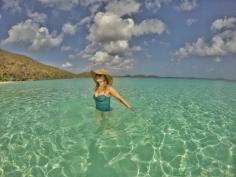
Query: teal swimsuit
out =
(102, 103)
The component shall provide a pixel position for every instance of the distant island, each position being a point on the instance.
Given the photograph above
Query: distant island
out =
(172, 77)
(138, 75)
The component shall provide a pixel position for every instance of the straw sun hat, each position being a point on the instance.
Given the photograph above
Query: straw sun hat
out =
(102, 72)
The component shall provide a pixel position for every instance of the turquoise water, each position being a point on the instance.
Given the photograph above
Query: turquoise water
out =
(179, 127)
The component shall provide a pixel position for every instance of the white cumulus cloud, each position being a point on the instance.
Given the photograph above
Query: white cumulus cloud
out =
(67, 65)
(32, 34)
(110, 31)
(68, 28)
(114, 61)
(100, 58)
(116, 47)
(222, 43)
(155, 5)
(67, 5)
(123, 7)
(11, 5)
(36, 16)
(201, 48)
(150, 26)
(109, 27)
(224, 23)
(109, 37)
(187, 5)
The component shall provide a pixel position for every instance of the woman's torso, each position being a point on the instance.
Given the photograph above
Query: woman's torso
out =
(102, 91)
(102, 99)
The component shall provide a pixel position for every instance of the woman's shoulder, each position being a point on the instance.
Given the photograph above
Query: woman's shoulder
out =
(112, 87)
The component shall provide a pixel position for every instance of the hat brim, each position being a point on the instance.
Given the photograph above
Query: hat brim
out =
(108, 77)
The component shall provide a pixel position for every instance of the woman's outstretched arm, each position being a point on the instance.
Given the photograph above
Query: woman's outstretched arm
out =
(116, 94)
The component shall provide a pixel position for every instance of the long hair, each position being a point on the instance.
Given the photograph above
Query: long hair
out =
(106, 86)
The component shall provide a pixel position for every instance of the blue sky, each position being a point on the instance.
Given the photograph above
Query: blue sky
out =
(180, 38)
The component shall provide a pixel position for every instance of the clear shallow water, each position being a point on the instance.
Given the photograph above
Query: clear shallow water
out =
(179, 128)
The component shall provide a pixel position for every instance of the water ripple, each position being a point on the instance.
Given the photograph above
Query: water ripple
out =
(178, 128)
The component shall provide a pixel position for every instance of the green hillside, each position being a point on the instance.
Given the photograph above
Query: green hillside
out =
(15, 67)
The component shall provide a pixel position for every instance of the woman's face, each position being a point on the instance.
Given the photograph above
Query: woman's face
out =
(100, 78)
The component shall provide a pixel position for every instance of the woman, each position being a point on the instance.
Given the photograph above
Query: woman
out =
(104, 90)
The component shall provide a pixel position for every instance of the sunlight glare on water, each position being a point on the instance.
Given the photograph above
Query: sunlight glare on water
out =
(179, 127)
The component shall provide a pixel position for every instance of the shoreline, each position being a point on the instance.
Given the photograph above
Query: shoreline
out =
(6, 82)
(156, 77)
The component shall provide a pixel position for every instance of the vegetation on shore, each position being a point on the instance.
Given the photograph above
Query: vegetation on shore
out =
(15, 67)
